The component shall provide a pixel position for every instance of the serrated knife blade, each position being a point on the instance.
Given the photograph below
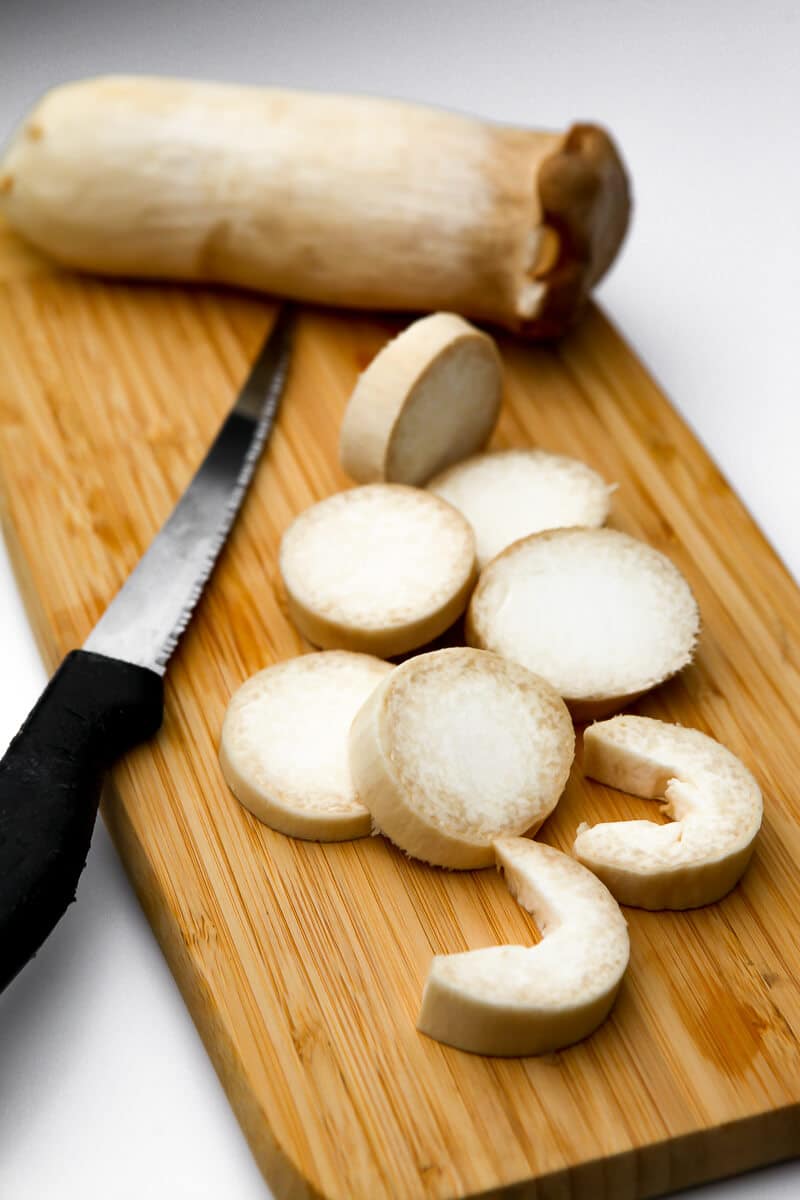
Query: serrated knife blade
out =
(144, 621)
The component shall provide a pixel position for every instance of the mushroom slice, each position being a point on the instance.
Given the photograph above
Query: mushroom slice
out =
(457, 748)
(430, 397)
(508, 494)
(284, 744)
(514, 1000)
(713, 800)
(601, 615)
(379, 569)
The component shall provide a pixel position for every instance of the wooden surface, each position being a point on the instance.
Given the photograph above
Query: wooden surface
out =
(303, 964)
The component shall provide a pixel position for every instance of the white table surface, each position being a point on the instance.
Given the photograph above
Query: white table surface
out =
(105, 1090)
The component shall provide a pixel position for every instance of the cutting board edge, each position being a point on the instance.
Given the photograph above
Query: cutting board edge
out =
(283, 1175)
(594, 310)
(45, 642)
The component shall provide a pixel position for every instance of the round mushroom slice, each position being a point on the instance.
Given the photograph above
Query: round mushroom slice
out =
(600, 615)
(509, 494)
(456, 748)
(713, 800)
(514, 1000)
(430, 397)
(380, 569)
(284, 744)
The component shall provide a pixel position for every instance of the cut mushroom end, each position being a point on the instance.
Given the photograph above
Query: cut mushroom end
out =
(713, 800)
(521, 1000)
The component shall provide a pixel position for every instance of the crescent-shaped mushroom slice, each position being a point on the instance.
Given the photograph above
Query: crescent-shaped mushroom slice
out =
(713, 800)
(515, 1000)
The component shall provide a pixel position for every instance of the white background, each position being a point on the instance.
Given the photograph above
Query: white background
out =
(105, 1090)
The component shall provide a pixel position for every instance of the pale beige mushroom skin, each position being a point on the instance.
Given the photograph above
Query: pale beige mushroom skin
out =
(713, 801)
(344, 200)
(508, 494)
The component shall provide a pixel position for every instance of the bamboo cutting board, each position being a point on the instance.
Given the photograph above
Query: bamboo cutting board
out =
(303, 964)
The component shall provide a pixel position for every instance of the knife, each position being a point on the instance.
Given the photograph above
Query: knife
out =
(109, 696)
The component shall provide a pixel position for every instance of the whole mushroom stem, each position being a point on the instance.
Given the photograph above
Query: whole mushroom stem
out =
(344, 200)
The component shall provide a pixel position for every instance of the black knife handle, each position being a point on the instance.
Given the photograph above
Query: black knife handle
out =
(92, 711)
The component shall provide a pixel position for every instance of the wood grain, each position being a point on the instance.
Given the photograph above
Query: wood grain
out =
(302, 964)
